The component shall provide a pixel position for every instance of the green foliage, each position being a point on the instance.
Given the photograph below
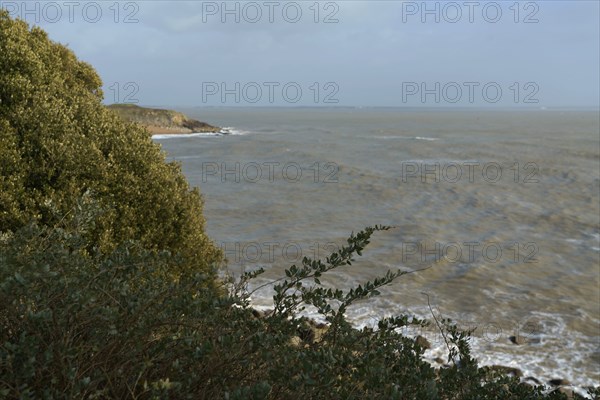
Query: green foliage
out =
(77, 324)
(81, 325)
(57, 142)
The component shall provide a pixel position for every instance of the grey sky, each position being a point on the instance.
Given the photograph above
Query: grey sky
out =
(358, 53)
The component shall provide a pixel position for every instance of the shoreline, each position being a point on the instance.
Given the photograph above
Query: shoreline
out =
(163, 122)
(314, 330)
(163, 130)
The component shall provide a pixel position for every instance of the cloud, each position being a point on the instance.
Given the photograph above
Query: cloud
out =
(367, 47)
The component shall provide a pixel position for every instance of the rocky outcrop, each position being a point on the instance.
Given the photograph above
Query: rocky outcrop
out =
(308, 332)
(511, 371)
(517, 339)
(423, 342)
(159, 121)
(559, 382)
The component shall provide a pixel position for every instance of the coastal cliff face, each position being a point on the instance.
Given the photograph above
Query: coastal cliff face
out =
(159, 121)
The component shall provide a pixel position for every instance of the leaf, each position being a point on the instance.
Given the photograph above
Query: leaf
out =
(19, 278)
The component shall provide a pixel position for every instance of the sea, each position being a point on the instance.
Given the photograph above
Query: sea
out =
(495, 216)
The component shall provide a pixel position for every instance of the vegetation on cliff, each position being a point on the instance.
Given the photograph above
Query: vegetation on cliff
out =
(108, 286)
(161, 121)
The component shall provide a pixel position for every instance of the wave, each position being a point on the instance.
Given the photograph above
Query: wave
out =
(426, 138)
(225, 131)
(228, 130)
(185, 135)
(434, 161)
(542, 356)
(491, 346)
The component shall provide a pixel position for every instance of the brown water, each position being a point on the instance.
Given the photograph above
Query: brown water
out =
(504, 204)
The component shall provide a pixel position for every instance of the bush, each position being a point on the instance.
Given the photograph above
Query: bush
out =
(75, 325)
(58, 142)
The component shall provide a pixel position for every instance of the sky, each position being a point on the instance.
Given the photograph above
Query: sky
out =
(333, 53)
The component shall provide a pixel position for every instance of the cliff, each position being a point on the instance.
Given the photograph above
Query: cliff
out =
(159, 121)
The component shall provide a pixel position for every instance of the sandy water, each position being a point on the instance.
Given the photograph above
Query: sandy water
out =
(504, 204)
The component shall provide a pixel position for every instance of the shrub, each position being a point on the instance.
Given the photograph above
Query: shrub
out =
(57, 142)
(75, 325)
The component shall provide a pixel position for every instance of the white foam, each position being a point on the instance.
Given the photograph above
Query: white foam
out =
(435, 161)
(574, 241)
(227, 130)
(186, 135)
(429, 139)
(554, 351)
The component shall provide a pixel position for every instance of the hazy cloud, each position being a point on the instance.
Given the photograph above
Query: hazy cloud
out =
(368, 49)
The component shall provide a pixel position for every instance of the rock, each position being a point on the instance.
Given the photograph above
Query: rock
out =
(533, 380)
(506, 370)
(261, 314)
(307, 334)
(566, 391)
(159, 121)
(518, 340)
(527, 385)
(296, 341)
(320, 330)
(559, 382)
(311, 331)
(439, 360)
(317, 325)
(423, 342)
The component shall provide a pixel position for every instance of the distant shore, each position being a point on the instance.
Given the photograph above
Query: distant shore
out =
(162, 130)
(163, 122)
